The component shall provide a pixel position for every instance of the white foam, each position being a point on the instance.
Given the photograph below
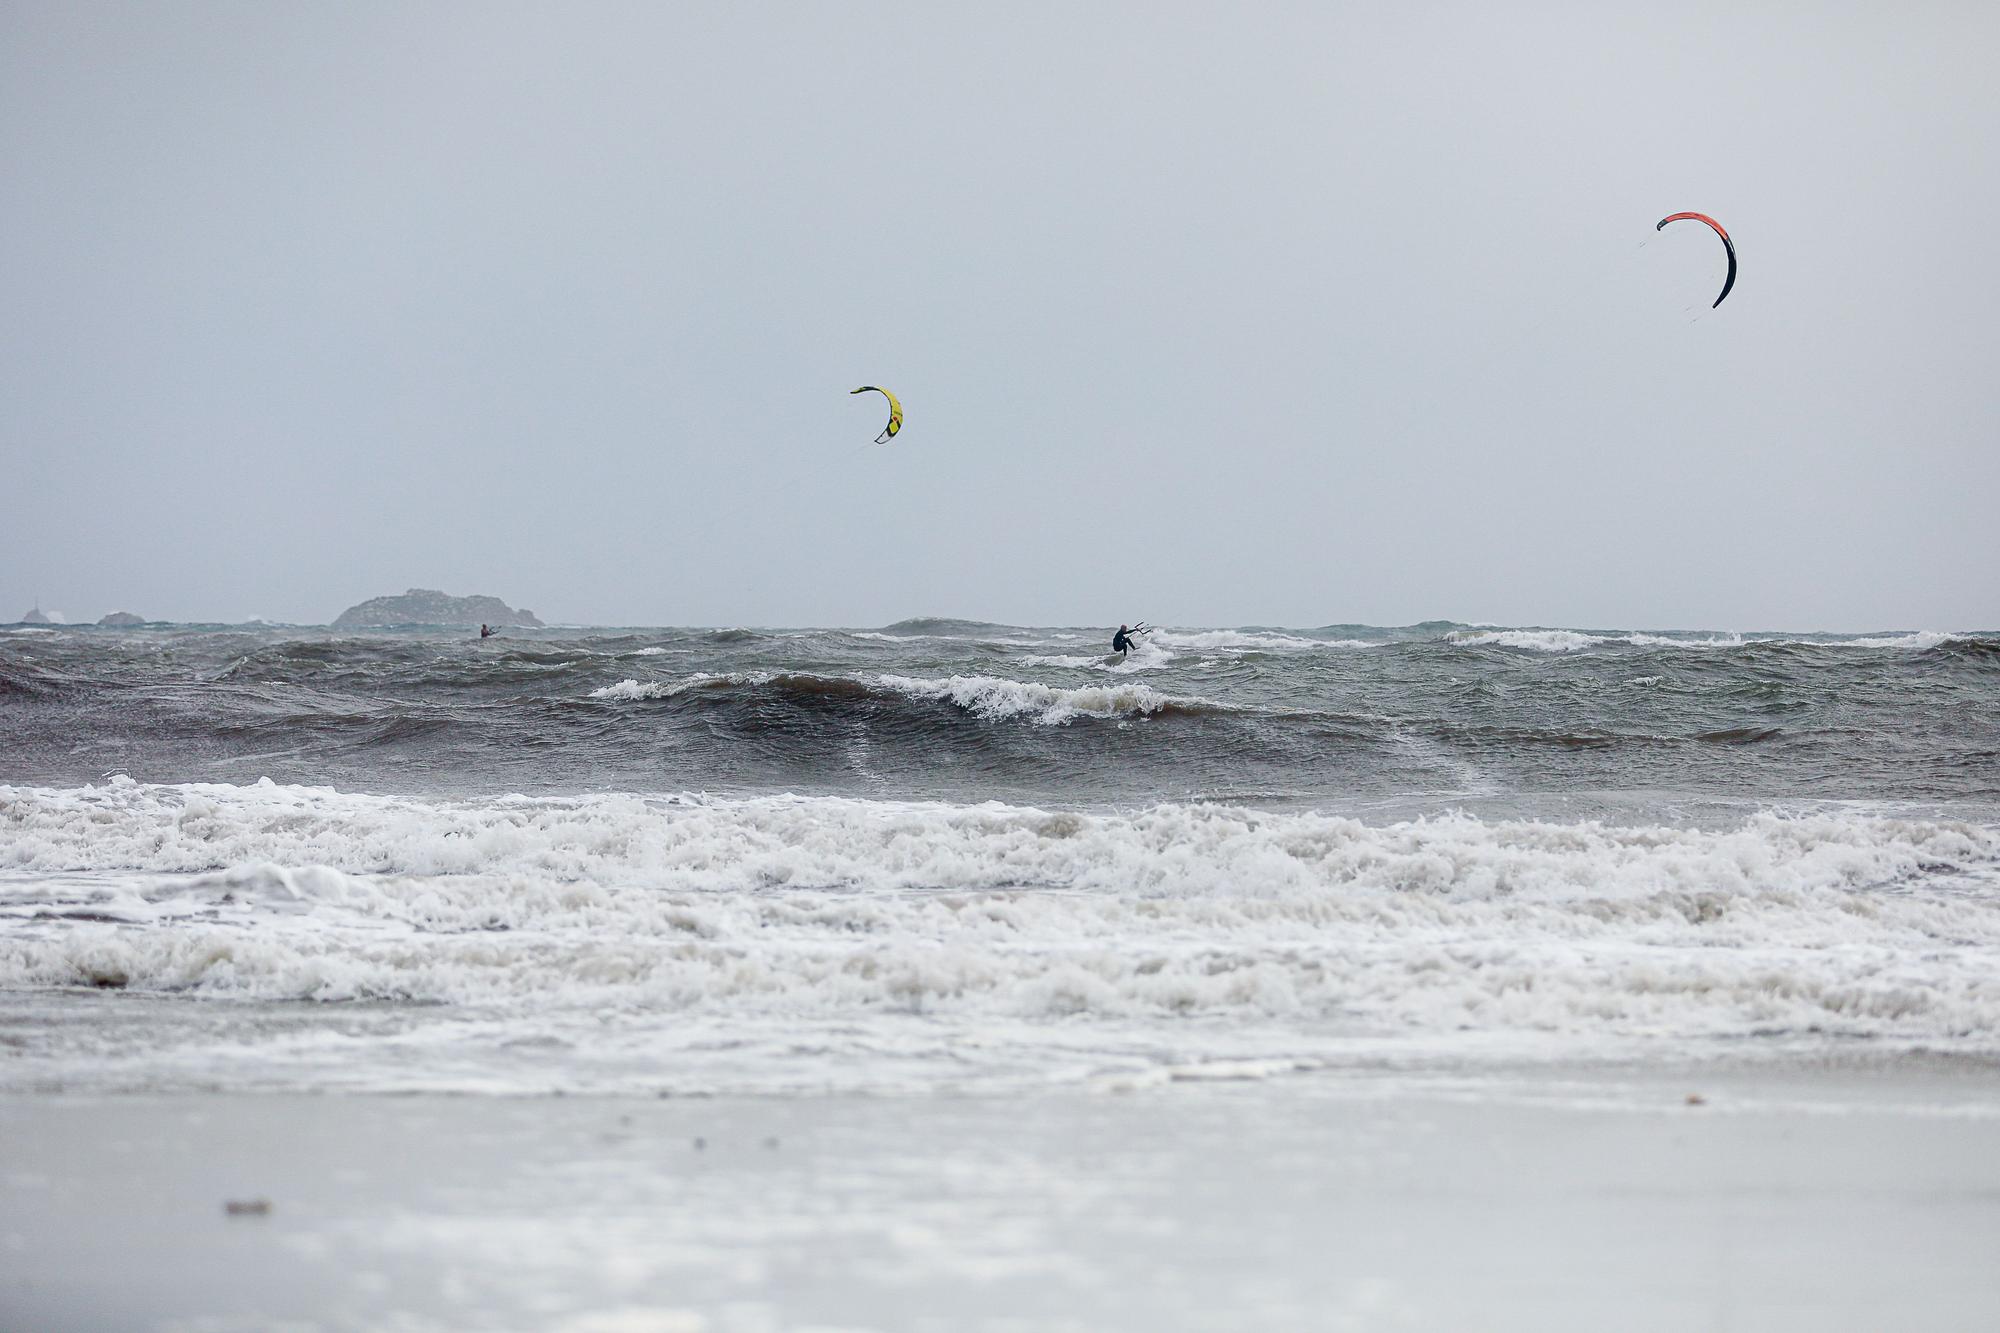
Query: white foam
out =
(1143, 656)
(631, 690)
(1661, 641)
(1929, 638)
(1570, 641)
(1535, 640)
(1227, 640)
(993, 697)
(1018, 933)
(997, 698)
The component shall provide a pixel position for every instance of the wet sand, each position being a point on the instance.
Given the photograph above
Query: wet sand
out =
(1819, 1199)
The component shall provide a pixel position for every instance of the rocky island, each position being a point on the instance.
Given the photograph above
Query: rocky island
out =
(428, 606)
(121, 620)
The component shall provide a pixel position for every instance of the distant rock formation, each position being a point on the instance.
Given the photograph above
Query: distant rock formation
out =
(121, 620)
(428, 606)
(37, 617)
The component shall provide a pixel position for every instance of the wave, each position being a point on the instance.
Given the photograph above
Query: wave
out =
(1144, 657)
(884, 636)
(835, 843)
(1250, 641)
(942, 627)
(1571, 641)
(997, 698)
(1741, 735)
(1040, 717)
(1970, 648)
(631, 689)
(26, 683)
(992, 697)
(1535, 640)
(1929, 638)
(824, 908)
(1663, 641)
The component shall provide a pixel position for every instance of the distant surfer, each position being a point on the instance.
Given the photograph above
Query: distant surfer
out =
(485, 631)
(1122, 641)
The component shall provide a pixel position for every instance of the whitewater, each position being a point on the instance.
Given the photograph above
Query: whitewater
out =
(954, 856)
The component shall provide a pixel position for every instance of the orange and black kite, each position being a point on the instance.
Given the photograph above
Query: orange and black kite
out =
(1727, 244)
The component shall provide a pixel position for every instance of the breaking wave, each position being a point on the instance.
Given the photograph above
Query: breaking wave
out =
(1226, 640)
(991, 697)
(1920, 639)
(997, 699)
(1866, 925)
(1025, 715)
(631, 690)
(1571, 641)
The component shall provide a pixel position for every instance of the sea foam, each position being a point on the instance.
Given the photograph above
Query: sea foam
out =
(997, 698)
(1231, 640)
(1884, 925)
(1571, 641)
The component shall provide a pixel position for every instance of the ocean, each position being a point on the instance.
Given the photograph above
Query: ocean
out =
(954, 857)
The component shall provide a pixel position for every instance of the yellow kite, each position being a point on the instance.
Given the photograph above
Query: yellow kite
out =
(895, 413)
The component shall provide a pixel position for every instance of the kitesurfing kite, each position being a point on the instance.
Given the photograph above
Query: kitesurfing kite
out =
(895, 413)
(1727, 244)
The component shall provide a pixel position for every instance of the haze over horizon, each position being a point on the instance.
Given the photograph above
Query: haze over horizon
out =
(1207, 316)
(60, 618)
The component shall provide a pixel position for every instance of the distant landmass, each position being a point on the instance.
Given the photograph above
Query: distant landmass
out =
(428, 606)
(122, 620)
(36, 617)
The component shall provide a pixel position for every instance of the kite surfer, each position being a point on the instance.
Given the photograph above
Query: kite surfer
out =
(1127, 637)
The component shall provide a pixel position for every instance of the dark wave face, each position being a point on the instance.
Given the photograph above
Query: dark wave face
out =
(1398, 720)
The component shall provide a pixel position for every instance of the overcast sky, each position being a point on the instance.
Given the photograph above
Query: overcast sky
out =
(1207, 314)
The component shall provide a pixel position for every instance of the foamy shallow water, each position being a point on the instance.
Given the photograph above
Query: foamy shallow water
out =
(277, 936)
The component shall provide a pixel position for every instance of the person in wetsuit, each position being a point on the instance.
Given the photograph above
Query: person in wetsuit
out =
(486, 631)
(1121, 642)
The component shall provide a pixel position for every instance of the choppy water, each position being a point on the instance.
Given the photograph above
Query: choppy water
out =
(947, 854)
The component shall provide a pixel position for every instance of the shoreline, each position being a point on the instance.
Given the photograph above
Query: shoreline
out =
(1579, 1199)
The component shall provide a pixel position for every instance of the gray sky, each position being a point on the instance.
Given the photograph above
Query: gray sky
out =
(1204, 314)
